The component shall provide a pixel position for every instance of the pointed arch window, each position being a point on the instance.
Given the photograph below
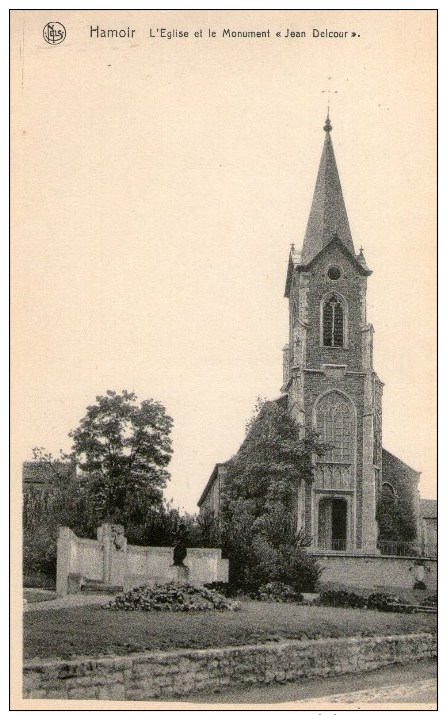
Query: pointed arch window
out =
(333, 322)
(335, 423)
(388, 492)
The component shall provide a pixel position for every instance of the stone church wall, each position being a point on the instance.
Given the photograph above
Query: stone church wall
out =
(404, 481)
(377, 572)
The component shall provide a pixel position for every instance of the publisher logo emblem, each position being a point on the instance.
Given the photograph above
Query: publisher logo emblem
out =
(54, 33)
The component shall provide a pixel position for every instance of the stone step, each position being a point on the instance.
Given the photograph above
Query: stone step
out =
(91, 586)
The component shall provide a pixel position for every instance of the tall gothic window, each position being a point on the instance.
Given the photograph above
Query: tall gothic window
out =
(333, 322)
(335, 423)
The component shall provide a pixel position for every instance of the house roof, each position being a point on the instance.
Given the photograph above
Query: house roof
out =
(40, 472)
(210, 482)
(392, 464)
(36, 472)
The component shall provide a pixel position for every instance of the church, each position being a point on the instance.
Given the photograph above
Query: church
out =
(330, 385)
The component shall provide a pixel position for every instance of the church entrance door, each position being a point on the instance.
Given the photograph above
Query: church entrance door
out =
(332, 524)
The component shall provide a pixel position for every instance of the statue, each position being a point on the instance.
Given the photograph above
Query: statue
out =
(180, 549)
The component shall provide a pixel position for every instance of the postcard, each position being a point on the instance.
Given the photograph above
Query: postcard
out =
(223, 385)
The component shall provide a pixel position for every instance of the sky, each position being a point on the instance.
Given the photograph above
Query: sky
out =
(158, 185)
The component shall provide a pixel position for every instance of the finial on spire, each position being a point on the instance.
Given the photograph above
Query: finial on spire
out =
(328, 126)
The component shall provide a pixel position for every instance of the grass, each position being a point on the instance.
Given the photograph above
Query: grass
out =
(89, 630)
(33, 595)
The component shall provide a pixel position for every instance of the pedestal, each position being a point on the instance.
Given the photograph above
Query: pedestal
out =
(179, 573)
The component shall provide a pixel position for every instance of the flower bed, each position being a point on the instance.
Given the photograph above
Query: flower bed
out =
(278, 593)
(275, 592)
(171, 597)
(377, 601)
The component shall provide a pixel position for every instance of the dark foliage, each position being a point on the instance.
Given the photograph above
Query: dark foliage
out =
(343, 598)
(420, 586)
(430, 600)
(61, 500)
(278, 592)
(259, 533)
(394, 521)
(376, 601)
(121, 449)
(223, 587)
(179, 597)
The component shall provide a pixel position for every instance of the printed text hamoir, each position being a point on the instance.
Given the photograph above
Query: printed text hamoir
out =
(97, 32)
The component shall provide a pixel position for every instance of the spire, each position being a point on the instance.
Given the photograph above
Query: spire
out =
(328, 213)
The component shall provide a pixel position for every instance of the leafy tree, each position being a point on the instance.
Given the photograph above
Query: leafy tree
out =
(162, 526)
(395, 520)
(201, 530)
(59, 499)
(122, 449)
(259, 499)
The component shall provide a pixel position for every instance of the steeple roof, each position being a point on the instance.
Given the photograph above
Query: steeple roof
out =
(328, 212)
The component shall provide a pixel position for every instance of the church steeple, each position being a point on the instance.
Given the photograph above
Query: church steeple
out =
(328, 212)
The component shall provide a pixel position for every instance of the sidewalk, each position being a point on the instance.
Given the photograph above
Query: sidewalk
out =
(70, 601)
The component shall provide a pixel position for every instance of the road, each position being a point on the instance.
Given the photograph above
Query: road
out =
(413, 683)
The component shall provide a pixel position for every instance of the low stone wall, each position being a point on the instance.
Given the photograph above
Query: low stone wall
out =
(109, 559)
(377, 572)
(182, 672)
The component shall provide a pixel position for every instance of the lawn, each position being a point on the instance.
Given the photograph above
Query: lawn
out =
(35, 595)
(89, 630)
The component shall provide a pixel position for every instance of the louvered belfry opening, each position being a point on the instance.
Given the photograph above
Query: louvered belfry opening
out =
(333, 323)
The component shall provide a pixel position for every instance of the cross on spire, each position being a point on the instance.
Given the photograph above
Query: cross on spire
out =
(328, 92)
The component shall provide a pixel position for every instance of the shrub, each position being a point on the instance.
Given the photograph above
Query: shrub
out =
(347, 599)
(386, 602)
(396, 518)
(420, 586)
(284, 563)
(223, 587)
(37, 579)
(430, 600)
(278, 592)
(39, 551)
(378, 601)
(171, 597)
